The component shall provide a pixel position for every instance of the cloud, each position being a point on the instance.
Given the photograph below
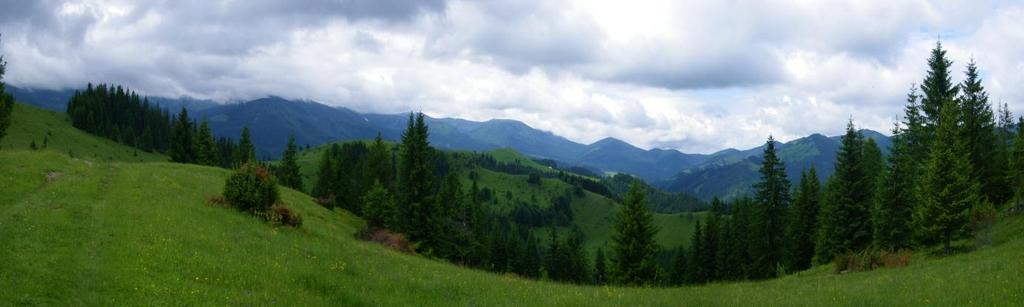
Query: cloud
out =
(695, 76)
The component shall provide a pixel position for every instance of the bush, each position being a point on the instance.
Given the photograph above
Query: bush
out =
(870, 259)
(251, 189)
(387, 238)
(287, 216)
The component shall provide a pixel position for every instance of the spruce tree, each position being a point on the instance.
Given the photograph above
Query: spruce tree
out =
(937, 88)
(1015, 174)
(246, 151)
(894, 203)
(711, 239)
(980, 137)
(679, 267)
(206, 149)
(182, 146)
(949, 193)
(6, 102)
(772, 197)
(600, 268)
(288, 172)
(845, 223)
(696, 273)
(378, 163)
(633, 262)
(803, 220)
(415, 175)
(872, 165)
(378, 207)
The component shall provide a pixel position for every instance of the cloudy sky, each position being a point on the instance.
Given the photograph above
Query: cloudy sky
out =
(695, 76)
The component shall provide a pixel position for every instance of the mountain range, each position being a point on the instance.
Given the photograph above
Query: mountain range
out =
(272, 120)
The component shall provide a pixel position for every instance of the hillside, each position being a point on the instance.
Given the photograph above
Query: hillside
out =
(114, 233)
(731, 173)
(31, 124)
(593, 213)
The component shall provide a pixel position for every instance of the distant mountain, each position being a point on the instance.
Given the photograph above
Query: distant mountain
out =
(273, 119)
(732, 172)
(57, 100)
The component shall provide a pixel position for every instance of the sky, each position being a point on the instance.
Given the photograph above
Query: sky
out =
(696, 76)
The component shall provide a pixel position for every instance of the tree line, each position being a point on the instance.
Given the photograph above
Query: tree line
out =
(121, 115)
(951, 163)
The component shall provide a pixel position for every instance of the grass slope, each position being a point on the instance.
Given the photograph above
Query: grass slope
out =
(31, 123)
(115, 233)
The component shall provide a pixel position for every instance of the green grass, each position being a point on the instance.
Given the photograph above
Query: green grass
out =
(511, 156)
(115, 233)
(34, 124)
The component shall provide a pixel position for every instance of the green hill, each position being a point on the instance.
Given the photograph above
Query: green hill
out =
(83, 232)
(31, 124)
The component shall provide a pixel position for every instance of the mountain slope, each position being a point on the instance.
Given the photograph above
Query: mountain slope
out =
(57, 100)
(732, 173)
(30, 124)
(113, 233)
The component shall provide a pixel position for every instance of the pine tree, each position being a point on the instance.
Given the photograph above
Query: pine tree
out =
(577, 268)
(6, 102)
(532, 259)
(600, 269)
(711, 239)
(206, 149)
(1015, 174)
(949, 193)
(182, 149)
(845, 223)
(803, 222)
(772, 197)
(894, 203)
(633, 237)
(872, 165)
(937, 88)
(246, 151)
(379, 162)
(696, 273)
(414, 179)
(379, 207)
(980, 137)
(679, 267)
(288, 173)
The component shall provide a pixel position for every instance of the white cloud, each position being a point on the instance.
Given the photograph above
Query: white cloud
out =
(696, 76)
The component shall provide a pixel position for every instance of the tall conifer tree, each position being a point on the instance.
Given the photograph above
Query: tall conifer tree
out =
(288, 172)
(803, 222)
(980, 137)
(206, 149)
(6, 102)
(845, 223)
(415, 175)
(633, 236)
(182, 144)
(246, 151)
(949, 193)
(896, 198)
(772, 197)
